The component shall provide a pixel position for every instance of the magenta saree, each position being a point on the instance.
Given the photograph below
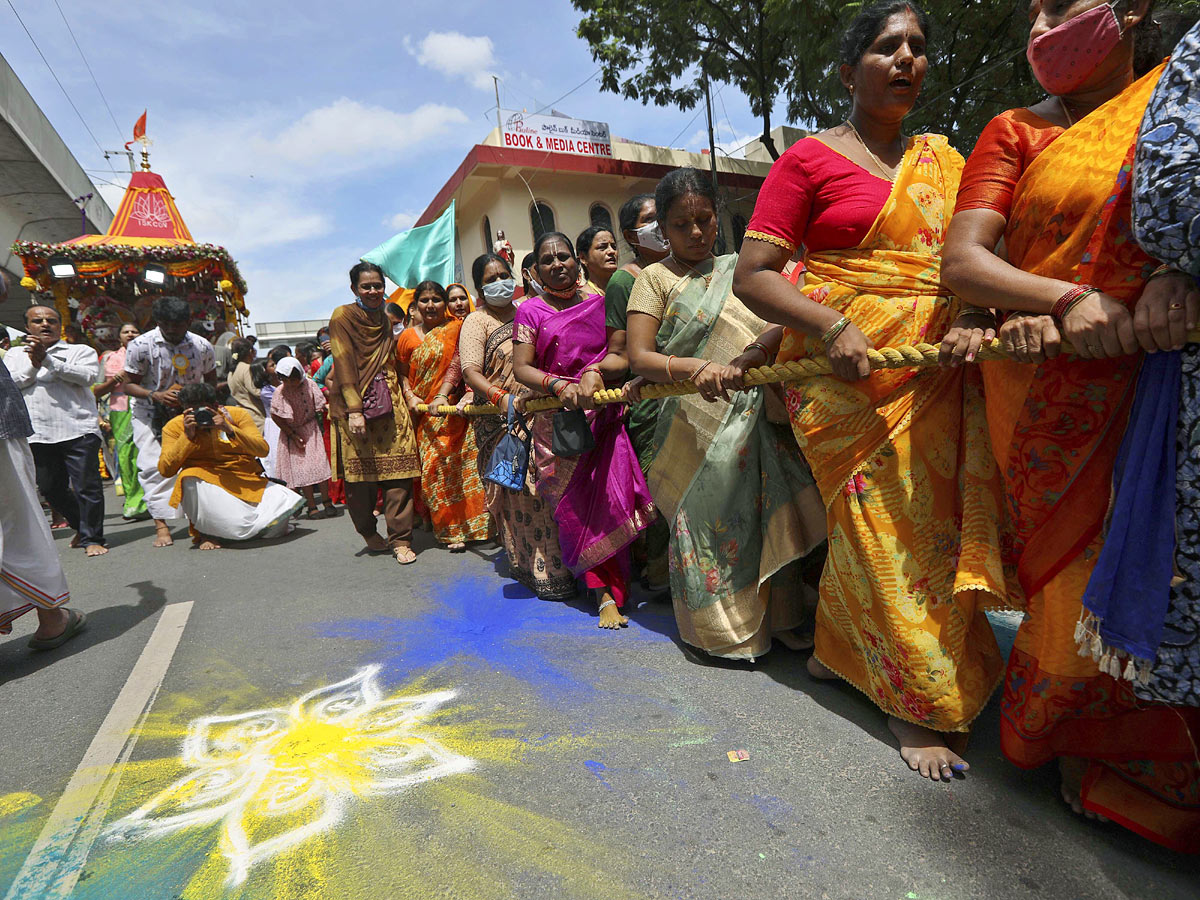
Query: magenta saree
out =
(599, 499)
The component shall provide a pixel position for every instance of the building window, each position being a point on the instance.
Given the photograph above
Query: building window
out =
(599, 215)
(487, 235)
(541, 219)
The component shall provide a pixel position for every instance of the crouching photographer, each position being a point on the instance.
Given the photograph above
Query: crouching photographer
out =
(221, 487)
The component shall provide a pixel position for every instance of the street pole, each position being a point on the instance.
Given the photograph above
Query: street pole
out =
(712, 142)
(712, 161)
(496, 85)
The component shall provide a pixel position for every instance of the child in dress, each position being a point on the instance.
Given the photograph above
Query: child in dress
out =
(300, 458)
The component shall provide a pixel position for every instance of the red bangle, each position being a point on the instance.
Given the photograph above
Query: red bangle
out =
(1067, 301)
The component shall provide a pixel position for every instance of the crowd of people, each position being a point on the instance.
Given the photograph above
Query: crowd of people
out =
(870, 516)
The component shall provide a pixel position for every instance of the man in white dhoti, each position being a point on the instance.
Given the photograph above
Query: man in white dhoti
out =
(212, 453)
(31, 577)
(157, 365)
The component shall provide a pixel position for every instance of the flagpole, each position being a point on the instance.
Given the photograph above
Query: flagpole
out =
(496, 85)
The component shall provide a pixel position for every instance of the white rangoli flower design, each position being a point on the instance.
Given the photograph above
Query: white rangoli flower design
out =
(150, 211)
(275, 777)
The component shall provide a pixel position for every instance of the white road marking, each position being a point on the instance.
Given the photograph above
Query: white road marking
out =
(56, 860)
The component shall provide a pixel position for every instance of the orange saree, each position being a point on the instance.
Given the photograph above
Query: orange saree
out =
(903, 464)
(450, 483)
(1056, 429)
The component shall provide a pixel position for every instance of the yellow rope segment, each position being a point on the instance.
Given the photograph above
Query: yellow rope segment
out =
(914, 356)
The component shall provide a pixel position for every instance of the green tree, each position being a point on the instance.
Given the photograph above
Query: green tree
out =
(977, 66)
(658, 52)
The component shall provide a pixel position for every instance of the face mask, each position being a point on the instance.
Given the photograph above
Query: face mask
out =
(1064, 57)
(397, 328)
(499, 293)
(537, 288)
(650, 236)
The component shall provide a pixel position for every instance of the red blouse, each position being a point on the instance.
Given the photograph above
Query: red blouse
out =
(1006, 148)
(815, 197)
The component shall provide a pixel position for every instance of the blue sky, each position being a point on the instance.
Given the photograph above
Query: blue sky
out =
(301, 134)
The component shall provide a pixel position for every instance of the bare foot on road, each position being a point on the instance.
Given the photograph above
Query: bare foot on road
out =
(95, 550)
(610, 616)
(1072, 769)
(795, 639)
(818, 669)
(926, 752)
(204, 542)
(162, 534)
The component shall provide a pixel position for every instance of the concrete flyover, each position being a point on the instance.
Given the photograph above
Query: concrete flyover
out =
(39, 177)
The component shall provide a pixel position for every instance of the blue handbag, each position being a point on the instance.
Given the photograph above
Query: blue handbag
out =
(510, 459)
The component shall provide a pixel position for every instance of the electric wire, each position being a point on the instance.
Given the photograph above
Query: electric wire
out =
(568, 93)
(88, 66)
(58, 81)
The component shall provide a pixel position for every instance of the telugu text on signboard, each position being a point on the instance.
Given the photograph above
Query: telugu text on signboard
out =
(555, 134)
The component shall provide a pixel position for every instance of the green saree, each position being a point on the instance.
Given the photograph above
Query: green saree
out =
(737, 495)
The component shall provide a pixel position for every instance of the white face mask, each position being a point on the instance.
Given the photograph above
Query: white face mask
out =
(397, 328)
(651, 237)
(499, 293)
(537, 288)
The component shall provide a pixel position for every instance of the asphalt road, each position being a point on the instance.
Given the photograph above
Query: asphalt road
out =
(481, 744)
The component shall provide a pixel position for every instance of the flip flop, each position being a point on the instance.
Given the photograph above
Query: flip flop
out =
(76, 621)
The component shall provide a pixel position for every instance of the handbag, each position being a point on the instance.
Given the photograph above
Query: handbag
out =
(572, 435)
(377, 401)
(510, 460)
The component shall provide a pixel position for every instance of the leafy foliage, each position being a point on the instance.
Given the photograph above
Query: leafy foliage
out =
(653, 51)
(648, 49)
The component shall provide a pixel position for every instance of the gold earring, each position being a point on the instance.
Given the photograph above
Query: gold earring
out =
(851, 90)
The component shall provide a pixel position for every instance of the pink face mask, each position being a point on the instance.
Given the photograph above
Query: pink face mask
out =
(1064, 57)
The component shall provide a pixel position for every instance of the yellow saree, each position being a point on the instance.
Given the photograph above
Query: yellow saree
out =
(903, 463)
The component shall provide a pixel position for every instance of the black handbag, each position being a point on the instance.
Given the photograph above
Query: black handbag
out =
(572, 435)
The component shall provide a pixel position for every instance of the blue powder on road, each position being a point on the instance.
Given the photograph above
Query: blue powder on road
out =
(483, 621)
(598, 769)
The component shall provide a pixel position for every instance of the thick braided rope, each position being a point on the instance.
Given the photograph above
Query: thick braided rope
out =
(908, 356)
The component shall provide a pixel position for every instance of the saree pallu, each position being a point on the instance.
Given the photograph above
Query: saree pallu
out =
(527, 530)
(450, 483)
(126, 451)
(737, 496)
(387, 452)
(599, 499)
(912, 493)
(1056, 429)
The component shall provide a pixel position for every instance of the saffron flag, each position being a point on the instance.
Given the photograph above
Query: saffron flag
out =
(419, 253)
(139, 129)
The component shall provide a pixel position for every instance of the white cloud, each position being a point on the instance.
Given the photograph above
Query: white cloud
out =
(402, 221)
(303, 286)
(256, 181)
(347, 129)
(457, 56)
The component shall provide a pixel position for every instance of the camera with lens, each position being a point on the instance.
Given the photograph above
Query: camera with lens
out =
(203, 417)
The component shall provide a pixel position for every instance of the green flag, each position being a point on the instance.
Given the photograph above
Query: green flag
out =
(419, 253)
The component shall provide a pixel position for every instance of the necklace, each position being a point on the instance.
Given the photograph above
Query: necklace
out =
(1066, 111)
(888, 173)
(707, 278)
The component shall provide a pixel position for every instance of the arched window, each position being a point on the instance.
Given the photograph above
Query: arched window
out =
(600, 215)
(541, 219)
(487, 235)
